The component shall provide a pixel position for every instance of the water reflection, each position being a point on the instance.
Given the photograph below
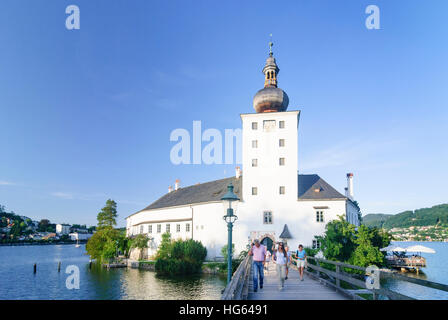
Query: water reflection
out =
(17, 280)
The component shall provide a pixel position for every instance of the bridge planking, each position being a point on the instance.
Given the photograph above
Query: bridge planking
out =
(308, 289)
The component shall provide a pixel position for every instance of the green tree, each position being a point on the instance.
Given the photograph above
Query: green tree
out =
(104, 243)
(108, 215)
(164, 250)
(140, 242)
(365, 253)
(224, 251)
(360, 246)
(381, 237)
(100, 241)
(109, 250)
(43, 225)
(124, 243)
(338, 242)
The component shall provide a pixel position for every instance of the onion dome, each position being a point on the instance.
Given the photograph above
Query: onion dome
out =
(270, 98)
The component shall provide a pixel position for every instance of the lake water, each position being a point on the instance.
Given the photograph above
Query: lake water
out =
(17, 280)
(436, 271)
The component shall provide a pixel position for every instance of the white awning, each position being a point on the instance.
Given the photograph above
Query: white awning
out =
(420, 248)
(393, 248)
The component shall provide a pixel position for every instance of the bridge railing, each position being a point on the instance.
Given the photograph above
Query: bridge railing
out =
(334, 278)
(238, 287)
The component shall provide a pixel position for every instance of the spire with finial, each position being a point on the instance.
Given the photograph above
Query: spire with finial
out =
(271, 69)
(270, 98)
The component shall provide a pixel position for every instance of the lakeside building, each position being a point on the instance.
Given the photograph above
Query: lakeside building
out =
(80, 236)
(277, 202)
(63, 228)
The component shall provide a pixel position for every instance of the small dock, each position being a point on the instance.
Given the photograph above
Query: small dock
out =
(114, 265)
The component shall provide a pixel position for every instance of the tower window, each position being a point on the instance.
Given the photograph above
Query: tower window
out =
(159, 228)
(281, 124)
(187, 227)
(267, 217)
(316, 244)
(254, 162)
(149, 228)
(282, 190)
(269, 125)
(254, 125)
(254, 143)
(177, 227)
(281, 161)
(254, 191)
(281, 142)
(319, 216)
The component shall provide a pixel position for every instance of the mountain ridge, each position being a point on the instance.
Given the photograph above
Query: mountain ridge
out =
(435, 215)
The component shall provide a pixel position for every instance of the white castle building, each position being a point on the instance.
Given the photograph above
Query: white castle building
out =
(277, 203)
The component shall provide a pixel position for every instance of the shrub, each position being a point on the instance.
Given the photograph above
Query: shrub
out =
(180, 257)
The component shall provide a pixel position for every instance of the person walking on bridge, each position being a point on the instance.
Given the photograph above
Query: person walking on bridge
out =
(258, 252)
(301, 259)
(281, 259)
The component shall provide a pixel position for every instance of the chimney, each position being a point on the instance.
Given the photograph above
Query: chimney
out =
(237, 172)
(346, 191)
(176, 185)
(350, 185)
(170, 188)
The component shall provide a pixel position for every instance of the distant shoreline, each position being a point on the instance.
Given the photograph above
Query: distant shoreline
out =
(21, 244)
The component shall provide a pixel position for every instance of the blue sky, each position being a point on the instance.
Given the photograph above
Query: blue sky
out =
(86, 114)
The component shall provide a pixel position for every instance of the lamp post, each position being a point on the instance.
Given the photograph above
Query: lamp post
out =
(230, 201)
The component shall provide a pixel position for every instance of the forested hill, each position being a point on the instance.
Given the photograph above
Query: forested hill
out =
(437, 215)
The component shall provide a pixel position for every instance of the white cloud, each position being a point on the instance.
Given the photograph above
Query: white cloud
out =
(6, 183)
(359, 153)
(63, 195)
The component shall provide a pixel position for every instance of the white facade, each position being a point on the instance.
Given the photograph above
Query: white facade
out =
(269, 186)
(263, 147)
(63, 229)
(273, 194)
(80, 236)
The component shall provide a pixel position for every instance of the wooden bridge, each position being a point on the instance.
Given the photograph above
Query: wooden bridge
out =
(323, 280)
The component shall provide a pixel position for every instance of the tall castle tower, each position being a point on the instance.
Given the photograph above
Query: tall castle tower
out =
(270, 147)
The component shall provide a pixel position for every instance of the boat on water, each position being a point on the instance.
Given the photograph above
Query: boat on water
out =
(398, 258)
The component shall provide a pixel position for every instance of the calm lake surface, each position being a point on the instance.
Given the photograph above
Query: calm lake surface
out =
(17, 280)
(436, 271)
